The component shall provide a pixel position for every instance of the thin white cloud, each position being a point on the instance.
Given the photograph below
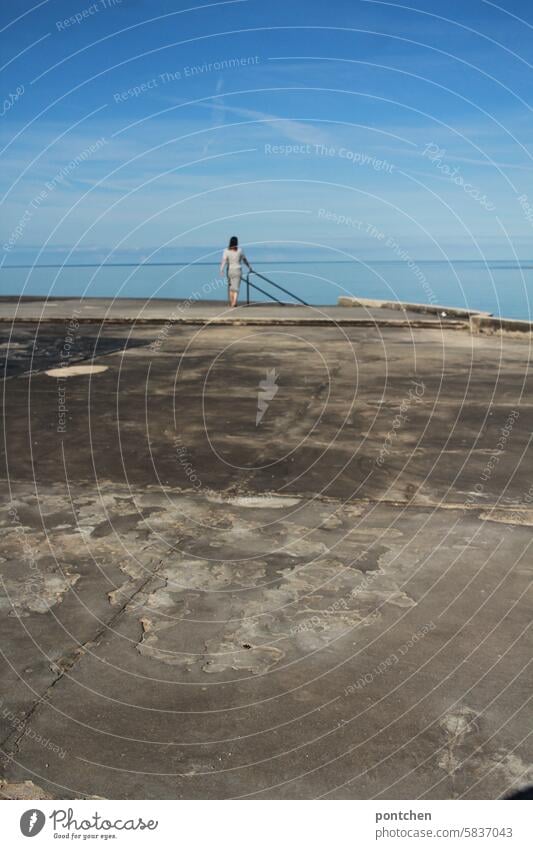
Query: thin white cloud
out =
(298, 131)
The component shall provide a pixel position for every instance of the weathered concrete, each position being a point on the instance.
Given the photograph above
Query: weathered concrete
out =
(493, 324)
(200, 312)
(408, 307)
(330, 601)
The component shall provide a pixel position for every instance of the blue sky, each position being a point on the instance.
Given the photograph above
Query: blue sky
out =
(154, 130)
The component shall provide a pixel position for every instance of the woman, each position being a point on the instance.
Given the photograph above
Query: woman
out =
(232, 258)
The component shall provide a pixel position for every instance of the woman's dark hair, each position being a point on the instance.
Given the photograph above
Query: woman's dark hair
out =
(233, 242)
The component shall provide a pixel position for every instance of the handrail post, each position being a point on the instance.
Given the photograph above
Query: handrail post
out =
(248, 289)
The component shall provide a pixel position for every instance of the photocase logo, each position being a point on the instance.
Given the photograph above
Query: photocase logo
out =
(267, 391)
(32, 822)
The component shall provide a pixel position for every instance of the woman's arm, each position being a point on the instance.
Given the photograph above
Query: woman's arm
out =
(244, 259)
(223, 262)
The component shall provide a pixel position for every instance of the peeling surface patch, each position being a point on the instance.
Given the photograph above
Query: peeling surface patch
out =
(75, 371)
(515, 516)
(267, 502)
(22, 790)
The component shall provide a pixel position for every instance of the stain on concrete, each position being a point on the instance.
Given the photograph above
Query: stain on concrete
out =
(267, 502)
(511, 516)
(22, 791)
(456, 725)
(37, 594)
(75, 371)
(470, 754)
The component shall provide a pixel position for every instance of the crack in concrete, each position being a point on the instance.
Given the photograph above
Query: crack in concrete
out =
(64, 665)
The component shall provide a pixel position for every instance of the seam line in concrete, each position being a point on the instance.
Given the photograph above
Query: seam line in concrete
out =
(64, 665)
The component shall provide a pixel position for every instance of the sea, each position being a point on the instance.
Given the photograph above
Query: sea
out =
(501, 287)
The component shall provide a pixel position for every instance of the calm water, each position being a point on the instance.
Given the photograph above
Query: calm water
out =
(503, 288)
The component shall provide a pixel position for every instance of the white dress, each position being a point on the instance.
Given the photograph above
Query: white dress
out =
(233, 260)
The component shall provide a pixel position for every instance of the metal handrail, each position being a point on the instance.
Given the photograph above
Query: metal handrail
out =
(253, 285)
(268, 295)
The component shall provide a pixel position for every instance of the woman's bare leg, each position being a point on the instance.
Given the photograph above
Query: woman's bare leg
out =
(233, 297)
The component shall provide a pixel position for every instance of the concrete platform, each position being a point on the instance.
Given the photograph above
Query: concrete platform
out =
(265, 562)
(194, 311)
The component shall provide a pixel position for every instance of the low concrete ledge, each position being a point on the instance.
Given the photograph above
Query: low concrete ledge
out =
(492, 324)
(200, 321)
(405, 306)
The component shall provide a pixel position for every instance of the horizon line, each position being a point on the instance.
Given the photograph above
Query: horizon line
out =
(515, 263)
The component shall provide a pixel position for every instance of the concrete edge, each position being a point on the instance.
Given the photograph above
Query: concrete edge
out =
(244, 322)
(428, 309)
(474, 320)
(492, 324)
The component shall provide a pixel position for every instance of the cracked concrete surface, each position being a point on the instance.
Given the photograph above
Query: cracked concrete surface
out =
(303, 621)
